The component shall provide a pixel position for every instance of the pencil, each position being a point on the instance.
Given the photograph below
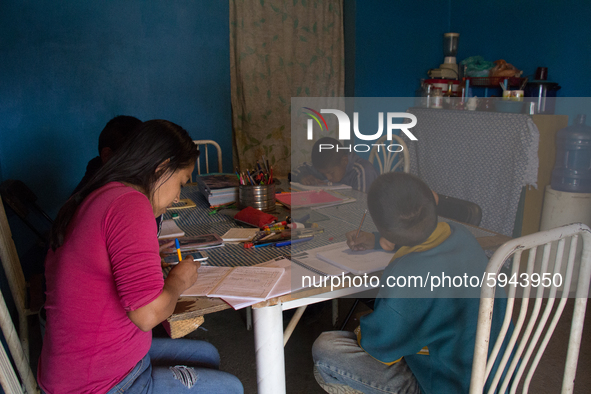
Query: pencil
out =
(360, 224)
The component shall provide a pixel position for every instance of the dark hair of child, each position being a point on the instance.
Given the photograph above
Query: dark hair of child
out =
(116, 131)
(403, 208)
(136, 162)
(328, 157)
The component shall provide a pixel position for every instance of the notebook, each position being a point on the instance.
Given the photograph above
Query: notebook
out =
(170, 229)
(355, 262)
(291, 280)
(218, 189)
(240, 234)
(328, 186)
(253, 283)
(310, 198)
(182, 204)
(197, 242)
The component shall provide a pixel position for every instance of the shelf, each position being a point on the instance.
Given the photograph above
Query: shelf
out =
(493, 82)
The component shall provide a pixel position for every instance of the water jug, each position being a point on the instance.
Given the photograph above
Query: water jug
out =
(572, 171)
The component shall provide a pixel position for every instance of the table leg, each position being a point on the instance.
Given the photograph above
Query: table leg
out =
(335, 312)
(268, 342)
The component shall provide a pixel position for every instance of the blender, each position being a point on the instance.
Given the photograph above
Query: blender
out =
(449, 68)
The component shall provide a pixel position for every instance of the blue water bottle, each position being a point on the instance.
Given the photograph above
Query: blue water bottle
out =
(572, 171)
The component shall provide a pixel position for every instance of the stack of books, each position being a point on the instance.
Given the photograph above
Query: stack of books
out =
(218, 189)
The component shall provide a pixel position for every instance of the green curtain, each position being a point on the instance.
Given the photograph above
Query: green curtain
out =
(279, 50)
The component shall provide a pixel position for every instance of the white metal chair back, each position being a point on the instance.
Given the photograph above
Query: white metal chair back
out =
(8, 376)
(204, 143)
(390, 159)
(18, 348)
(555, 282)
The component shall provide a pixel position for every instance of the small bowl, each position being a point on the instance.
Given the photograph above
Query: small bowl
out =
(514, 107)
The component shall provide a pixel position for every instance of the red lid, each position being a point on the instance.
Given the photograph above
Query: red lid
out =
(444, 81)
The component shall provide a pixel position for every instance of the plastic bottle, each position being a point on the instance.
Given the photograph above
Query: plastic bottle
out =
(572, 171)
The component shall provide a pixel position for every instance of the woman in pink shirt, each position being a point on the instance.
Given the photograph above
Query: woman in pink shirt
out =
(105, 288)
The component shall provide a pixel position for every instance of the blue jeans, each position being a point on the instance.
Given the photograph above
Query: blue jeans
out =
(340, 361)
(179, 366)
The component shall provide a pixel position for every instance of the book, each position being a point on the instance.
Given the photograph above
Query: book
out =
(253, 283)
(312, 198)
(170, 229)
(215, 200)
(198, 242)
(218, 188)
(182, 204)
(240, 234)
(327, 186)
(296, 276)
(355, 262)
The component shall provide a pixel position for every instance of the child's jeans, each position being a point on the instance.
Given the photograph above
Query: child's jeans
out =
(179, 366)
(340, 361)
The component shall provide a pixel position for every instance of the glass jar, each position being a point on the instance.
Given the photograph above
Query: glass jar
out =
(427, 94)
(437, 98)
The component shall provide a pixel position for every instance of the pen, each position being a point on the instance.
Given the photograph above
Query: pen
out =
(360, 224)
(178, 249)
(250, 245)
(293, 241)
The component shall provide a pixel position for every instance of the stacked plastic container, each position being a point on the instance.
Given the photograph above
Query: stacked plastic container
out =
(568, 197)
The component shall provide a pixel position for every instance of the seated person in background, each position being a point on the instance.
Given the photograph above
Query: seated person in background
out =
(335, 166)
(105, 288)
(111, 138)
(410, 345)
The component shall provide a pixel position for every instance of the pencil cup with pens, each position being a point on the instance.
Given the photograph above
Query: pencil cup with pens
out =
(259, 197)
(257, 187)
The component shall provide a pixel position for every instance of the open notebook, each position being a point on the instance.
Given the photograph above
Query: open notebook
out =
(253, 283)
(291, 280)
(355, 262)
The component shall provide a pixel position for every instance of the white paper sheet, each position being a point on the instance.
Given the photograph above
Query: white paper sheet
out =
(248, 282)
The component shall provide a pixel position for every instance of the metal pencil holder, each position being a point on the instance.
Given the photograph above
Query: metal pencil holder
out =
(259, 197)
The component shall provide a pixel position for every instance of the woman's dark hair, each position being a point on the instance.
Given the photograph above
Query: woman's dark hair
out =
(403, 208)
(135, 162)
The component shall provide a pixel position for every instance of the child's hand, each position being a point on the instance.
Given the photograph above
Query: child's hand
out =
(311, 180)
(387, 245)
(364, 241)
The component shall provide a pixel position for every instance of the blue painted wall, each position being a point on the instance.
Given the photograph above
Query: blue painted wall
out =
(69, 67)
(66, 70)
(398, 41)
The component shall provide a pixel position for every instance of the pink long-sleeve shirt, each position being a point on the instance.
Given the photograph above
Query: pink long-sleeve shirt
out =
(108, 265)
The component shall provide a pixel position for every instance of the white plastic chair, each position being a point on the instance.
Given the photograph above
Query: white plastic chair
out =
(204, 143)
(390, 161)
(527, 335)
(18, 348)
